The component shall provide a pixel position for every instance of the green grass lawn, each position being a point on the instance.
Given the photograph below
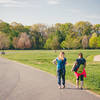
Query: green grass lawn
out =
(42, 59)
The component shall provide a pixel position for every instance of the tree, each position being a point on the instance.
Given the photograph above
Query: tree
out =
(71, 42)
(4, 27)
(65, 29)
(83, 28)
(38, 36)
(18, 27)
(98, 42)
(52, 43)
(38, 33)
(97, 28)
(39, 28)
(15, 42)
(93, 42)
(4, 41)
(24, 41)
(55, 43)
(60, 36)
(57, 26)
(85, 42)
(37, 40)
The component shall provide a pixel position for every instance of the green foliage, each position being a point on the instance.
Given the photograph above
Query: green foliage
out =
(17, 27)
(98, 42)
(4, 41)
(71, 42)
(56, 36)
(37, 40)
(94, 41)
(60, 36)
(52, 42)
(4, 27)
(66, 28)
(83, 28)
(97, 28)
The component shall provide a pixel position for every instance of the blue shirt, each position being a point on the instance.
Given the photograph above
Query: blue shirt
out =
(61, 63)
(64, 62)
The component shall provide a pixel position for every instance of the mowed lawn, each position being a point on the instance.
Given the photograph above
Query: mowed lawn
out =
(42, 59)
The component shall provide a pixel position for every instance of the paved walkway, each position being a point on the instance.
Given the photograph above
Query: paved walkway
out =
(97, 58)
(22, 82)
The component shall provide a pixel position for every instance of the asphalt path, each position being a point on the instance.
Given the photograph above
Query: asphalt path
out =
(23, 82)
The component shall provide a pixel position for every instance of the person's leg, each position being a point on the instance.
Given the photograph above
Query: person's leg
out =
(63, 78)
(59, 78)
(82, 81)
(77, 82)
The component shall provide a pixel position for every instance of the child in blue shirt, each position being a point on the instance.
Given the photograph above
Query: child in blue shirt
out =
(61, 62)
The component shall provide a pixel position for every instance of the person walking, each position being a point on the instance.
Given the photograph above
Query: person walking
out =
(60, 61)
(79, 69)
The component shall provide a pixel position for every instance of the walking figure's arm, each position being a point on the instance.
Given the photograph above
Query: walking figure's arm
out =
(54, 62)
(74, 66)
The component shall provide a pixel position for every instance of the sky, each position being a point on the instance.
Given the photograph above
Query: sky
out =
(29, 12)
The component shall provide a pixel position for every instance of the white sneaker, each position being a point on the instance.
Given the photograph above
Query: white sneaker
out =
(63, 86)
(59, 87)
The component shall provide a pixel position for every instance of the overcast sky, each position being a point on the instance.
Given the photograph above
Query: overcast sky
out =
(30, 12)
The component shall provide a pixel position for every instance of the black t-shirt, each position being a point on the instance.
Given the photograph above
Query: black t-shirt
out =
(80, 61)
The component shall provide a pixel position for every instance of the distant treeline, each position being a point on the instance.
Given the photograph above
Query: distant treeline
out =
(82, 35)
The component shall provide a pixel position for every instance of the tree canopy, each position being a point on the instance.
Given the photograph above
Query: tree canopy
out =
(81, 35)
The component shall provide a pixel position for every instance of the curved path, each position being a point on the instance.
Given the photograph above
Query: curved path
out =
(21, 82)
(97, 58)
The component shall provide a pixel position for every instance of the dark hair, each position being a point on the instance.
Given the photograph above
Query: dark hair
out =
(81, 55)
(63, 53)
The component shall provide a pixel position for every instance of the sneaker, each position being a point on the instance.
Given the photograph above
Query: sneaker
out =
(77, 87)
(63, 86)
(81, 88)
(59, 87)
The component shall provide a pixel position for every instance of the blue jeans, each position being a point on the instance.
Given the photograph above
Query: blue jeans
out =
(61, 74)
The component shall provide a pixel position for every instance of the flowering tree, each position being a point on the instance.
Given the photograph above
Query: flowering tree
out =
(24, 41)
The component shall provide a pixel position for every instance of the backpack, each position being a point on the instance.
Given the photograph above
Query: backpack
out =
(80, 69)
(80, 66)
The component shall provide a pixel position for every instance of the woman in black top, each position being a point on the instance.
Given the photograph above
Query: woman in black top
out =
(79, 68)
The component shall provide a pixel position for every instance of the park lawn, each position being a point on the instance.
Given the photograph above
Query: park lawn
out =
(42, 59)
